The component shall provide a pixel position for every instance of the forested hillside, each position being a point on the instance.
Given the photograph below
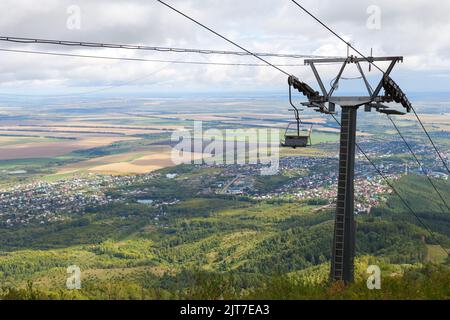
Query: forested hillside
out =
(225, 245)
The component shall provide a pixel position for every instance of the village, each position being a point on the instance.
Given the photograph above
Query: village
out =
(302, 178)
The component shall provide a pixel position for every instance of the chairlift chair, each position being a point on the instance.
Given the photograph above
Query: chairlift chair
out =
(297, 139)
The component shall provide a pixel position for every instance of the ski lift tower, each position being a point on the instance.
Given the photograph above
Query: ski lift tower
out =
(343, 250)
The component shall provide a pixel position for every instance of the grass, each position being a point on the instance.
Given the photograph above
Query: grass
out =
(302, 152)
(436, 254)
(267, 212)
(323, 137)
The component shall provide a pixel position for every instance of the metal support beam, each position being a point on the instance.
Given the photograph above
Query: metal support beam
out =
(387, 73)
(336, 81)
(343, 251)
(319, 81)
(369, 89)
(353, 59)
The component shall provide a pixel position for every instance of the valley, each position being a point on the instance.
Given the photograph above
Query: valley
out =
(113, 203)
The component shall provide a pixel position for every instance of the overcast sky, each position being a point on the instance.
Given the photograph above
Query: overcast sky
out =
(418, 29)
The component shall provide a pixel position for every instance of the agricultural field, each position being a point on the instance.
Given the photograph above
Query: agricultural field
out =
(67, 142)
(46, 148)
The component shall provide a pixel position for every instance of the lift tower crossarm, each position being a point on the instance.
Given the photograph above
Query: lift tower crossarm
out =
(353, 59)
(357, 101)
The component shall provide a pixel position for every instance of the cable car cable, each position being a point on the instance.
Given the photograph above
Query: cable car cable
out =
(405, 203)
(145, 60)
(150, 48)
(419, 163)
(223, 37)
(376, 66)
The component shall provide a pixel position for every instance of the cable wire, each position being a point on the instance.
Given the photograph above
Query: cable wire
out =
(246, 52)
(150, 48)
(419, 163)
(146, 60)
(403, 200)
(77, 94)
(431, 140)
(336, 34)
(223, 37)
(357, 145)
(376, 66)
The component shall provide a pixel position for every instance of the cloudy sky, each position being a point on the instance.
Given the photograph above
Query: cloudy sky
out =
(416, 29)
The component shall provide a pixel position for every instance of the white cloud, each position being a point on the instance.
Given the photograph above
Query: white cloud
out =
(416, 29)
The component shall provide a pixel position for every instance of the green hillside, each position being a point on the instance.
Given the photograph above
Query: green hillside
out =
(224, 246)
